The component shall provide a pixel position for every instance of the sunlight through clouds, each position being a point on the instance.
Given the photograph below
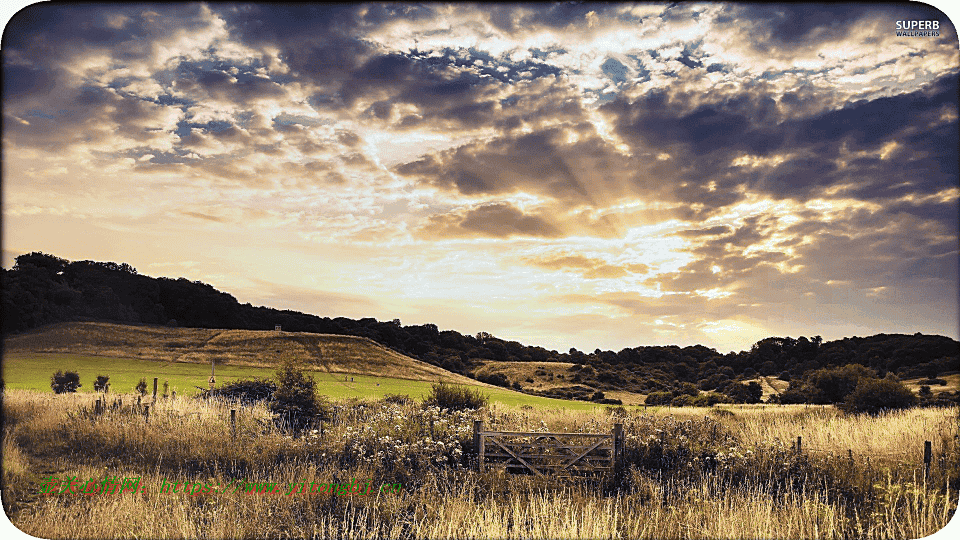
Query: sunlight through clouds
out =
(676, 172)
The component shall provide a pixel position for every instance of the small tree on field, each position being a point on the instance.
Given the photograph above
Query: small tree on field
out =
(873, 396)
(295, 403)
(100, 384)
(63, 383)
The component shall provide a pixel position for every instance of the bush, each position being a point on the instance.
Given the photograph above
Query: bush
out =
(744, 393)
(683, 400)
(100, 384)
(398, 399)
(658, 398)
(295, 403)
(873, 396)
(689, 389)
(833, 385)
(63, 383)
(709, 399)
(496, 379)
(455, 397)
(597, 396)
(141, 386)
(247, 391)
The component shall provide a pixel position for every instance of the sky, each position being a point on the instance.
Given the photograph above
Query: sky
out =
(564, 175)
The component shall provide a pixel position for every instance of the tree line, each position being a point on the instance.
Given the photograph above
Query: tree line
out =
(42, 289)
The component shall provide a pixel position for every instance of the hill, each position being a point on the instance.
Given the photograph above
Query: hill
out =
(43, 289)
(250, 348)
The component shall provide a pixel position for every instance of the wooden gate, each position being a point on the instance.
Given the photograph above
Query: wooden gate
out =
(556, 453)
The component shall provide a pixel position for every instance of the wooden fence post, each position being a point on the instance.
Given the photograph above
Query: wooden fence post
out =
(799, 443)
(927, 456)
(155, 389)
(617, 444)
(233, 423)
(146, 413)
(478, 442)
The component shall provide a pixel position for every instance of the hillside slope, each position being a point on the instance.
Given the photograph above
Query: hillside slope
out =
(258, 348)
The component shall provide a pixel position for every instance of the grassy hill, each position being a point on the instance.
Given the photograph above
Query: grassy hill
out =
(343, 366)
(236, 348)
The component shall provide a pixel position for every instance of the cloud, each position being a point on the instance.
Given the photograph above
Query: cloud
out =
(588, 267)
(493, 220)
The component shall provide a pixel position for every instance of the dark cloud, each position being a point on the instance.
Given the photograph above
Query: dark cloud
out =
(588, 267)
(527, 17)
(497, 220)
(712, 231)
(801, 24)
(588, 171)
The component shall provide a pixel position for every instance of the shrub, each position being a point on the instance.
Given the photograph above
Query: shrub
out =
(141, 386)
(63, 383)
(683, 400)
(689, 389)
(398, 399)
(100, 384)
(873, 396)
(455, 397)
(744, 393)
(247, 391)
(597, 396)
(658, 398)
(709, 399)
(295, 403)
(832, 385)
(497, 379)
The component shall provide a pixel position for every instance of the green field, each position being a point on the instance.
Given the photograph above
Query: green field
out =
(32, 371)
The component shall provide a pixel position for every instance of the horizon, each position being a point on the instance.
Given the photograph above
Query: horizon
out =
(585, 351)
(589, 176)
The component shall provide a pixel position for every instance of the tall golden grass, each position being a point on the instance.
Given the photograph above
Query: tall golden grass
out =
(745, 494)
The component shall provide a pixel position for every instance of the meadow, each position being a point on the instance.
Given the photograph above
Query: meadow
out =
(685, 473)
(32, 371)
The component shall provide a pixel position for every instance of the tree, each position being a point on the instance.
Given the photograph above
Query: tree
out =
(63, 383)
(294, 403)
(832, 385)
(744, 393)
(873, 396)
(100, 384)
(659, 398)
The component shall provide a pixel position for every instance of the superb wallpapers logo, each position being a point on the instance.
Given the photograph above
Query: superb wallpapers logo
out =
(918, 28)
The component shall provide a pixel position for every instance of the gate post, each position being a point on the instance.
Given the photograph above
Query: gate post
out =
(617, 444)
(478, 442)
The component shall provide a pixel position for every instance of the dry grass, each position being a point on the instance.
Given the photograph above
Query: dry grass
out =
(747, 495)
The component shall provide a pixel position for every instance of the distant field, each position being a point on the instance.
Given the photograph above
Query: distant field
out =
(33, 371)
(953, 383)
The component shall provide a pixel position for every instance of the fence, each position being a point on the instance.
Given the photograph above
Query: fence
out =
(927, 453)
(557, 453)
